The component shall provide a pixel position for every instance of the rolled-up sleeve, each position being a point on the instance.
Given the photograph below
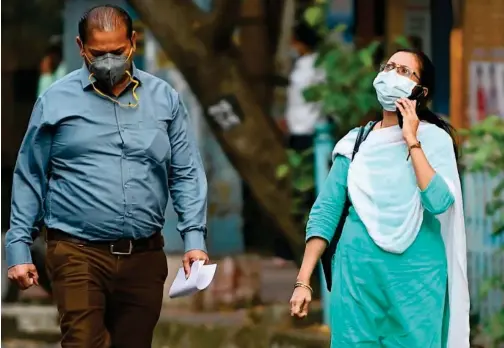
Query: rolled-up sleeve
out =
(437, 197)
(29, 188)
(328, 208)
(187, 180)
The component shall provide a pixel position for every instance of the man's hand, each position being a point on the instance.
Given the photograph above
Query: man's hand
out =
(190, 257)
(24, 275)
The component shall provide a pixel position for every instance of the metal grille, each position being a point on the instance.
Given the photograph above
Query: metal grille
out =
(484, 258)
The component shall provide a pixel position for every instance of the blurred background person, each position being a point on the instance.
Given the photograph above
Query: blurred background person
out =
(301, 116)
(52, 66)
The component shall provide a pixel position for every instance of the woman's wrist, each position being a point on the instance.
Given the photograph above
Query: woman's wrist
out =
(303, 279)
(411, 140)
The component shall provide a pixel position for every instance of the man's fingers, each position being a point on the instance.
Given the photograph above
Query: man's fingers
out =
(187, 266)
(32, 273)
(35, 278)
(24, 275)
(24, 281)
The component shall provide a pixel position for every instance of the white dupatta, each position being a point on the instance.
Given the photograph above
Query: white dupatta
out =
(383, 189)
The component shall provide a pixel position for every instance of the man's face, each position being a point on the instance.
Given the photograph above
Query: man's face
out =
(101, 42)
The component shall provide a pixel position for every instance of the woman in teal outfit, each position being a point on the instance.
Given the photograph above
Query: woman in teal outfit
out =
(399, 271)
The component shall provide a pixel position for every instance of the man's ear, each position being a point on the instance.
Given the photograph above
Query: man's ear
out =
(425, 92)
(133, 40)
(80, 45)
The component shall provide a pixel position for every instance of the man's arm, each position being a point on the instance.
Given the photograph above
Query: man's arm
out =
(187, 180)
(29, 188)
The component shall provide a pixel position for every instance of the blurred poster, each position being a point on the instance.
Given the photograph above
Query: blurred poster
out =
(486, 90)
(484, 49)
(418, 25)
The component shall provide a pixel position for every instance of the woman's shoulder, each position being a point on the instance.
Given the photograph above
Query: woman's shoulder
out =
(352, 133)
(432, 133)
(345, 145)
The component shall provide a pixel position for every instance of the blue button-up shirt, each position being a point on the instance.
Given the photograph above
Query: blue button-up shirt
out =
(100, 171)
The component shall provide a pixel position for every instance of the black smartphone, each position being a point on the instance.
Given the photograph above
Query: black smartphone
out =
(416, 93)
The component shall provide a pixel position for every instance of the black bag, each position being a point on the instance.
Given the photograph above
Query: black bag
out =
(328, 253)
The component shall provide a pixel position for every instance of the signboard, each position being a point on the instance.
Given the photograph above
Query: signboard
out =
(226, 112)
(417, 25)
(484, 59)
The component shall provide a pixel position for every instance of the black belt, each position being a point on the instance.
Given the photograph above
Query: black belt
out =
(116, 247)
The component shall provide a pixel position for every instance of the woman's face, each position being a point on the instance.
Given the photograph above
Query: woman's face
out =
(406, 65)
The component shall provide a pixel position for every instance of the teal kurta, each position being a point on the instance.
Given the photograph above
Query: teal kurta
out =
(381, 299)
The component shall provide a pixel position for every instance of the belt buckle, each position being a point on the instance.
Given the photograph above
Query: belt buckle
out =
(130, 249)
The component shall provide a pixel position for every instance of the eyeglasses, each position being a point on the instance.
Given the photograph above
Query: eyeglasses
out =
(401, 69)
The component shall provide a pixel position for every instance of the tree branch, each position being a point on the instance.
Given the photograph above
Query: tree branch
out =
(251, 144)
(220, 24)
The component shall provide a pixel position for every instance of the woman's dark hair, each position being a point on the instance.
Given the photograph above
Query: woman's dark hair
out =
(427, 80)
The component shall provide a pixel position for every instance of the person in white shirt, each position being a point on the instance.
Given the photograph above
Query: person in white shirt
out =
(52, 66)
(301, 116)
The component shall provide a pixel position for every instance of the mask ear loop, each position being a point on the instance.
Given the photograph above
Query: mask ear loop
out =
(129, 105)
(133, 91)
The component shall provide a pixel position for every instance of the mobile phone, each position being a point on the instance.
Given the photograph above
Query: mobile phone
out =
(416, 94)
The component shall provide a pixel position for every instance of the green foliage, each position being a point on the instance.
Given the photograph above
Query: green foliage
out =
(300, 168)
(484, 152)
(347, 94)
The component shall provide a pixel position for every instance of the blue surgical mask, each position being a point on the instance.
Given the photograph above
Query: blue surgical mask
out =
(390, 86)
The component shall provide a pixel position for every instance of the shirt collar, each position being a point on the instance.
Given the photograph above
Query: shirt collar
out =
(86, 80)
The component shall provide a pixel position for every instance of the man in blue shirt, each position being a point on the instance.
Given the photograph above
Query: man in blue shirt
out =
(105, 147)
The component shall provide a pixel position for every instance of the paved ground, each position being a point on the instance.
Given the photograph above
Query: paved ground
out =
(28, 344)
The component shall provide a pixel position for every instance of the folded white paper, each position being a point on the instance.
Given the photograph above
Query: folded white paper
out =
(200, 278)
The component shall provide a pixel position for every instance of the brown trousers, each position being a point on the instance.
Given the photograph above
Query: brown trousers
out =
(106, 300)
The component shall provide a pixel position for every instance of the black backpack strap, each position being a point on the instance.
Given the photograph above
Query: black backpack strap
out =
(363, 134)
(358, 141)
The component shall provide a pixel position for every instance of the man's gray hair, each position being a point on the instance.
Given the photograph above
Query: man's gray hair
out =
(105, 18)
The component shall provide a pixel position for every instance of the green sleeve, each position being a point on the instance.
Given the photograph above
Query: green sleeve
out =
(328, 208)
(437, 198)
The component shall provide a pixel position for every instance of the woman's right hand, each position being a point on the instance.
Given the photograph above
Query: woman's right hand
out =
(300, 300)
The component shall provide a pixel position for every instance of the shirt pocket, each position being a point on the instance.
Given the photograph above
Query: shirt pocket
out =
(156, 141)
